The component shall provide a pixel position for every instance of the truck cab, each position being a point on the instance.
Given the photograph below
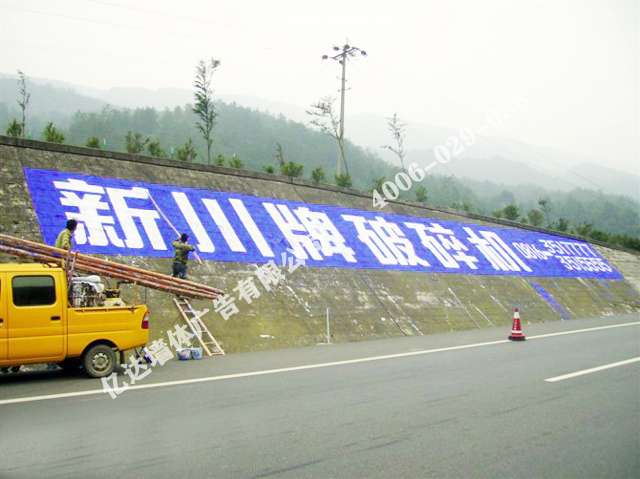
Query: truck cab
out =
(40, 324)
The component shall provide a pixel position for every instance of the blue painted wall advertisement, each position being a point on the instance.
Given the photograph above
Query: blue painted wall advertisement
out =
(123, 217)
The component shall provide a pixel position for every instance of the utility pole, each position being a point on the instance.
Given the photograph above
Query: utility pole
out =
(346, 51)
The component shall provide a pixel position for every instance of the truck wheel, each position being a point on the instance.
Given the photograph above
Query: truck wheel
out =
(99, 361)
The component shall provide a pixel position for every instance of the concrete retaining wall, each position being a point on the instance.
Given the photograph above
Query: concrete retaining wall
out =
(363, 303)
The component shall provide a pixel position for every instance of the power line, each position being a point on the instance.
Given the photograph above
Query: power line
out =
(153, 12)
(91, 20)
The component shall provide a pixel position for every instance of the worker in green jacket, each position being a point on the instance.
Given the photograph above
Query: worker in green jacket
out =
(181, 256)
(65, 237)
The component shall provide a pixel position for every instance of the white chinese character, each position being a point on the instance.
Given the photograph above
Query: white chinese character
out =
(386, 241)
(291, 261)
(93, 227)
(496, 251)
(96, 223)
(195, 321)
(269, 274)
(179, 338)
(128, 215)
(226, 306)
(137, 369)
(324, 234)
(158, 352)
(247, 290)
(310, 233)
(440, 245)
(110, 385)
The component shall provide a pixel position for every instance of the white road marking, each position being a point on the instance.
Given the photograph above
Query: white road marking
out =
(585, 330)
(302, 368)
(592, 370)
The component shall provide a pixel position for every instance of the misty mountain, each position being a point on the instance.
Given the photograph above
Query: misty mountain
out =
(47, 98)
(477, 179)
(500, 160)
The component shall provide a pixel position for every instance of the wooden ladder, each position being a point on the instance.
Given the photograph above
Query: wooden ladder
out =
(193, 319)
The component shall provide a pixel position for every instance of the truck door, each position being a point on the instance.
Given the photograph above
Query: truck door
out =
(35, 309)
(4, 324)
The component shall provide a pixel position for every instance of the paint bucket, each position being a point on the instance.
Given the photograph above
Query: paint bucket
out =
(184, 354)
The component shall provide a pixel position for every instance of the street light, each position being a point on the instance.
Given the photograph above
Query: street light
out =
(346, 51)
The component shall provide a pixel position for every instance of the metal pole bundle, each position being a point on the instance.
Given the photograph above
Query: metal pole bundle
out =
(48, 254)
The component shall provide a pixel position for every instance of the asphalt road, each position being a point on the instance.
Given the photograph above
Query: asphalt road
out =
(481, 410)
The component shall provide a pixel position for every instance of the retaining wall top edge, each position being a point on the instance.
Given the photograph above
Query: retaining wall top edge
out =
(148, 160)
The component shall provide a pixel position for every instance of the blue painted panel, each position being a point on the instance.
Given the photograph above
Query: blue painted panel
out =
(123, 217)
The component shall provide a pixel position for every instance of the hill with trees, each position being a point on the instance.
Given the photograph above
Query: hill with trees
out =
(247, 138)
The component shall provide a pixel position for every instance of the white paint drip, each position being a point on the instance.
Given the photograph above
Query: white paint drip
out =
(483, 315)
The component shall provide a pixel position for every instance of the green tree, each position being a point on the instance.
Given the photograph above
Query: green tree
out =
(317, 175)
(627, 241)
(93, 142)
(561, 225)
(236, 162)
(325, 119)
(545, 206)
(135, 142)
(154, 149)
(52, 134)
(269, 169)
(14, 129)
(186, 152)
(23, 100)
(397, 130)
(498, 214)
(584, 229)
(291, 169)
(421, 194)
(376, 184)
(511, 212)
(343, 180)
(279, 155)
(536, 217)
(220, 159)
(204, 106)
(599, 235)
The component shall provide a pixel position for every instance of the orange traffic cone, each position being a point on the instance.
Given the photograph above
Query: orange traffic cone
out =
(516, 329)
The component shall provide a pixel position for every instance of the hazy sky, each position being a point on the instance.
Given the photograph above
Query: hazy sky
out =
(576, 63)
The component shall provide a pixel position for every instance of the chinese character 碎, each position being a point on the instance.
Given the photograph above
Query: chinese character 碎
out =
(440, 242)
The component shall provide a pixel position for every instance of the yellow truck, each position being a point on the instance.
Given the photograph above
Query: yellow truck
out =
(41, 321)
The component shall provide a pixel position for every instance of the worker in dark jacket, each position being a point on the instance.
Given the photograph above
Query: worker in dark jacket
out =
(64, 239)
(181, 256)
